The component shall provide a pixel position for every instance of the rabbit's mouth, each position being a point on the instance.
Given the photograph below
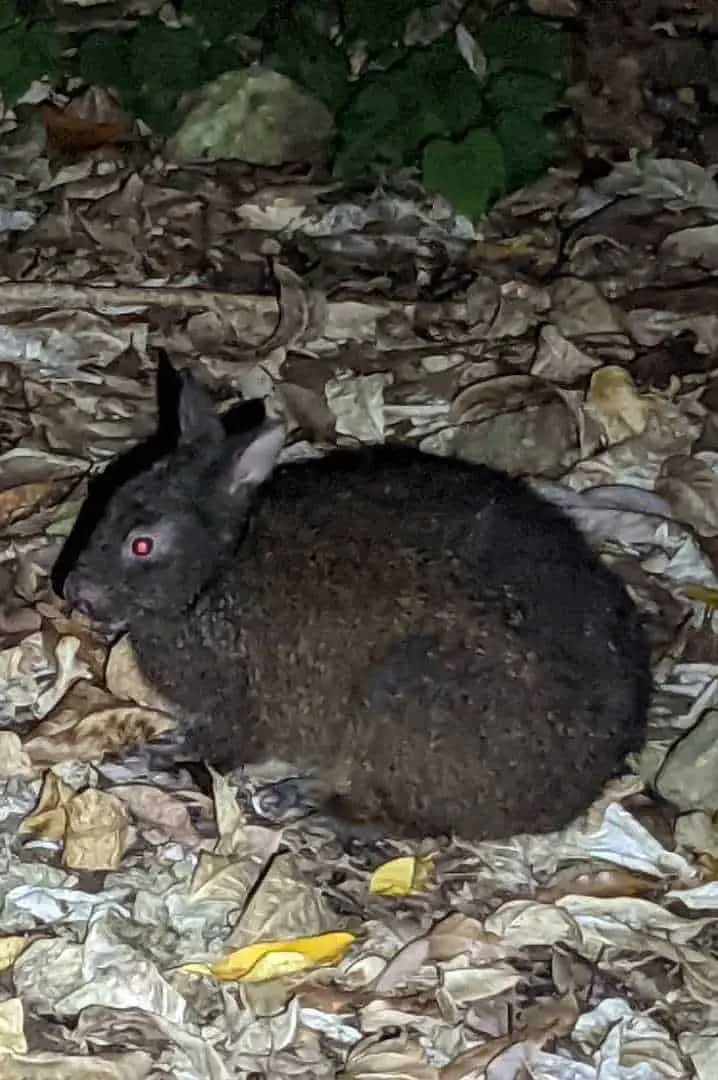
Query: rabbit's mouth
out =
(90, 600)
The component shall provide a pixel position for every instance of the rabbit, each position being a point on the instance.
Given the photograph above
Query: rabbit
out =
(430, 639)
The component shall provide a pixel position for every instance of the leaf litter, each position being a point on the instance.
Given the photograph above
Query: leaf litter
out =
(150, 926)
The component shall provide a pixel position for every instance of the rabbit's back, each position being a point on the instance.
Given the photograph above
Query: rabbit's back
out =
(434, 635)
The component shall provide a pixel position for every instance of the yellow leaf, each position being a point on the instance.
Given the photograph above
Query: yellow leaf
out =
(196, 969)
(275, 964)
(49, 818)
(271, 959)
(402, 876)
(12, 1023)
(614, 401)
(702, 594)
(10, 949)
(97, 833)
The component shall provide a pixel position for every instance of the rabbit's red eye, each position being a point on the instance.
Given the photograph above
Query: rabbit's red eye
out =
(142, 546)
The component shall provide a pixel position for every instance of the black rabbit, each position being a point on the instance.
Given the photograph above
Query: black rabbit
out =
(433, 640)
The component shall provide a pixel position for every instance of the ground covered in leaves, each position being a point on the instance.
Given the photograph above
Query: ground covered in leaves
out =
(153, 926)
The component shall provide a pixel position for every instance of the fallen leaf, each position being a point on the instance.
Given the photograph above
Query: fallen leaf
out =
(459, 934)
(475, 1060)
(12, 1027)
(285, 905)
(10, 948)
(76, 133)
(381, 1058)
(159, 809)
(615, 403)
(49, 818)
(14, 759)
(124, 679)
(90, 738)
(402, 966)
(402, 876)
(604, 882)
(135, 1065)
(272, 959)
(97, 833)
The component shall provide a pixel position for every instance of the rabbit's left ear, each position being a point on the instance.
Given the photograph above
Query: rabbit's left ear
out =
(251, 463)
(197, 417)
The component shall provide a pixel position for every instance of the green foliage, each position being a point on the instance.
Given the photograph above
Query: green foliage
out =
(470, 173)
(473, 141)
(524, 43)
(419, 106)
(393, 113)
(379, 25)
(222, 19)
(299, 46)
(29, 50)
(149, 69)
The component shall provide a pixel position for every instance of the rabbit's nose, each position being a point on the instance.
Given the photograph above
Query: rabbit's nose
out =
(82, 596)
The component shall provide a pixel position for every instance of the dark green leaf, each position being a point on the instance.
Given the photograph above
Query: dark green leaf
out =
(525, 42)
(529, 148)
(392, 113)
(26, 53)
(470, 174)
(103, 60)
(164, 63)
(378, 23)
(223, 19)
(522, 92)
(308, 56)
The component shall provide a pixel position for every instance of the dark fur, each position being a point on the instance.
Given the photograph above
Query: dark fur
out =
(438, 641)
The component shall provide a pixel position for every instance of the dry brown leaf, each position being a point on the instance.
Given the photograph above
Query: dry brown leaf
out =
(49, 818)
(474, 1062)
(564, 284)
(10, 948)
(124, 680)
(22, 501)
(98, 831)
(12, 1024)
(14, 760)
(459, 934)
(285, 905)
(32, 479)
(92, 651)
(689, 483)
(67, 736)
(614, 402)
(403, 965)
(159, 809)
(613, 881)
(134, 1065)
(377, 1058)
(71, 132)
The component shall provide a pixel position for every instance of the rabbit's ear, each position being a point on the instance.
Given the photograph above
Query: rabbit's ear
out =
(250, 465)
(197, 418)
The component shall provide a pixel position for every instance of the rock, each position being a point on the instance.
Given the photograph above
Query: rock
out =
(689, 776)
(257, 116)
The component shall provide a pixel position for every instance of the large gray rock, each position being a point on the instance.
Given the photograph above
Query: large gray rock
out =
(257, 116)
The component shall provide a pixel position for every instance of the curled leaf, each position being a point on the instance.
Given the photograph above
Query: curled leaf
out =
(271, 959)
(49, 818)
(400, 877)
(616, 404)
(97, 831)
